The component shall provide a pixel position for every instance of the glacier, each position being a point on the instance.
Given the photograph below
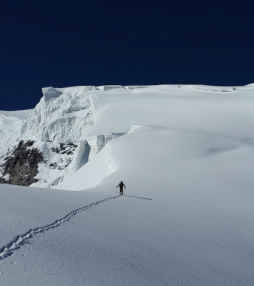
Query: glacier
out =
(185, 154)
(98, 114)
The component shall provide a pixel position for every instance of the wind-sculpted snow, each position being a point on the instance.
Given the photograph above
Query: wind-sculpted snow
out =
(102, 140)
(68, 114)
(168, 87)
(96, 115)
(91, 174)
(62, 117)
(136, 86)
(212, 88)
(9, 249)
(50, 93)
(112, 87)
(153, 148)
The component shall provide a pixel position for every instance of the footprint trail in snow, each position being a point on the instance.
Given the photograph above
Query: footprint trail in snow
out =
(9, 249)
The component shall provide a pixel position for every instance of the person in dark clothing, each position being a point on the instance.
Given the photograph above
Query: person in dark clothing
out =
(121, 185)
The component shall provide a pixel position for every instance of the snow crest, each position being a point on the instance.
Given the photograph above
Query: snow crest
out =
(61, 116)
(71, 125)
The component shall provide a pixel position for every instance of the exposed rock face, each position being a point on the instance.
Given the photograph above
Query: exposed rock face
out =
(46, 164)
(21, 167)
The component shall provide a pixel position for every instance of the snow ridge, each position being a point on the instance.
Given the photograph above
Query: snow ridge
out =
(9, 249)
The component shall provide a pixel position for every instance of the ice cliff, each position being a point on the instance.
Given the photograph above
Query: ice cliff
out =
(62, 115)
(58, 127)
(65, 131)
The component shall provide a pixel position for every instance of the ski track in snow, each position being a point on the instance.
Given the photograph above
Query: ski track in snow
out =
(9, 249)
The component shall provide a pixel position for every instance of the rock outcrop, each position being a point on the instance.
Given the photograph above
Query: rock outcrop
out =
(21, 167)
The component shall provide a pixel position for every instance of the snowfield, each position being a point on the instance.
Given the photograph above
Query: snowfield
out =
(186, 156)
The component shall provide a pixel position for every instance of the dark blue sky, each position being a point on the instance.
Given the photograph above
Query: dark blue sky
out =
(67, 43)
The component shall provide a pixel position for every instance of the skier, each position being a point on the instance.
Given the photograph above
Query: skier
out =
(121, 185)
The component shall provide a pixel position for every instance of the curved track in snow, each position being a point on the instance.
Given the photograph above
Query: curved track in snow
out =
(9, 249)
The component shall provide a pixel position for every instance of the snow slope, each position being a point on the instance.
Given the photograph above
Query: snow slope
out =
(21, 114)
(188, 150)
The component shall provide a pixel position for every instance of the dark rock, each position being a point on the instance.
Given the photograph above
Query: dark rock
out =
(22, 166)
(56, 150)
(3, 181)
(62, 147)
(53, 165)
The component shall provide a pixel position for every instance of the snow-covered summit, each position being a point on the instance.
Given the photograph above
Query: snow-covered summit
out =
(67, 114)
(93, 115)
